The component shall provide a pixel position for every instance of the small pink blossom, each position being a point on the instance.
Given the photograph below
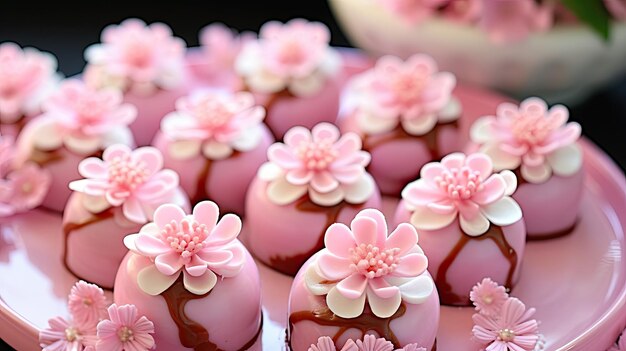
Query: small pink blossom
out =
(143, 57)
(412, 93)
(134, 180)
(513, 20)
(488, 297)
(64, 335)
(363, 261)
(536, 139)
(197, 245)
(512, 329)
(30, 185)
(125, 330)
(87, 303)
(617, 8)
(321, 162)
(214, 123)
(27, 76)
(294, 56)
(369, 343)
(413, 11)
(464, 187)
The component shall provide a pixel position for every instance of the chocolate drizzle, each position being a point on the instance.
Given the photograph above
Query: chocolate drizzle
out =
(201, 182)
(495, 234)
(291, 265)
(70, 227)
(192, 334)
(367, 321)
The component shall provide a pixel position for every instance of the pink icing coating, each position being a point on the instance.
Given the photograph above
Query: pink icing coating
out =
(368, 343)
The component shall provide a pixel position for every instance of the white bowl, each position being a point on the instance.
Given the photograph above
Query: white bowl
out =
(565, 64)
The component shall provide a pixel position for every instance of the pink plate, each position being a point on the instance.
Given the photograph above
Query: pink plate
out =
(577, 283)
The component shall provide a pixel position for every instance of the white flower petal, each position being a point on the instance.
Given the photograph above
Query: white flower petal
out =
(475, 227)
(501, 160)
(421, 125)
(511, 182)
(566, 161)
(265, 82)
(344, 307)
(503, 212)
(313, 280)
(307, 86)
(270, 171)
(82, 146)
(418, 289)
(95, 204)
(153, 282)
(383, 308)
(327, 199)
(216, 151)
(451, 112)
(46, 134)
(184, 149)
(200, 285)
(281, 192)
(481, 130)
(361, 191)
(538, 174)
(370, 123)
(248, 139)
(425, 219)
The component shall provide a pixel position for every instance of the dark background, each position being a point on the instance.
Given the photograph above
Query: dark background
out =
(65, 30)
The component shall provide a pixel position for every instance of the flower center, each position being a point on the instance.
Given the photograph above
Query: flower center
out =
(408, 89)
(506, 335)
(126, 173)
(89, 109)
(487, 299)
(185, 237)
(317, 156)
(291, 52)
(212, 114)
(139, 53)
(532, 128)
(71, 334)
(27, 187)
(125, 334)
(460, 183)
(373, 262)
(87, 301)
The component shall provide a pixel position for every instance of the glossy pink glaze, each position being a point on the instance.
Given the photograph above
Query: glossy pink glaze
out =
(228, 179)
(477, 260)
(63, 171)
(418, 325)
(231, 313)
(551, 207)
(287, 112)
(284, 231)
(95, 251)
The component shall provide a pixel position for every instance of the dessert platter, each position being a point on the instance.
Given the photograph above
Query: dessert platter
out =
(313, 200)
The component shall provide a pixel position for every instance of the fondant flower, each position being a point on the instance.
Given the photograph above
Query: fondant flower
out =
(141, 57)
(413, 11)
(532, 137)
(27, 76)
(134, 180)
(295, 56)
(488, 297)
(125, 330)
(512, 329)
(84, 119)
(412, 93)
(617, 8)
(215, 124)
(464, 187)
(507, 21)
(369, 343)
(197, 245)
(327, 166)
(87, 303)
(28, 186)
(64, 335)
(364, 264)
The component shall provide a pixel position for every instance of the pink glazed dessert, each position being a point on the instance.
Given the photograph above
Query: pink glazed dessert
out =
(78, 122)
(27, 77)
(187, 287)
(118, 196)
(406, 115)
(216, 141)
(469, 225)
(294, 73)
(365, 282)
(314, 179)
(145, 61)
(541, 148)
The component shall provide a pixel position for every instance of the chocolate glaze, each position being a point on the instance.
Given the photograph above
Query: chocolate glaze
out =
(69, 228)
(367, 321)
(201, 183)
(494, 233)
(290, 265)
(192, 334)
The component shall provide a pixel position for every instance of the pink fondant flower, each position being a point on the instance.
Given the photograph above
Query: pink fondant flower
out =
(197, 245)
(488, 297)
(617, 8)
(134, 180)
(413, 11)
(512, 20)
(327, 166)
(512, 329)
(142, 57)
(363, 264)
(84, 119)
(536, 139)
(87, 303)
(27, 76)
(294, 56)
(369, 343)
(29, 186)
(125, 330)
(214, 123)
(462, 186)
(412, 93)
(64, 335)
